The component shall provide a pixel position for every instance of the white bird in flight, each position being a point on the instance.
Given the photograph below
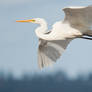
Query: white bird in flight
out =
(76, 24)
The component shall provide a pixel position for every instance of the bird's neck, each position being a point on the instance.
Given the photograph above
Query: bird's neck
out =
(41, 32)
(42, 29)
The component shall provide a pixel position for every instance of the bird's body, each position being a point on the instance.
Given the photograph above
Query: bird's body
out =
(77, 23)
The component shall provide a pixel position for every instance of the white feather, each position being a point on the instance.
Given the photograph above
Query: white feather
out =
(79, 18)
(76, 23)
(50, 51)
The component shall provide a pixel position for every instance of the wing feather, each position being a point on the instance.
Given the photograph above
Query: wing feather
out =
(80, 17)
(50, 51)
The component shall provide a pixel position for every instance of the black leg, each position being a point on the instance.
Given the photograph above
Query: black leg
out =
(87, 35)
(88, 38)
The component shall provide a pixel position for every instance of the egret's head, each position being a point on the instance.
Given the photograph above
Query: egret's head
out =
(34, 20)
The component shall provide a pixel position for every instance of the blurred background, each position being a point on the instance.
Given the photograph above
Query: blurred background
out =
(18, 50)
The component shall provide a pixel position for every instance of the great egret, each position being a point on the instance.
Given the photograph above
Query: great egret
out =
(77, 24)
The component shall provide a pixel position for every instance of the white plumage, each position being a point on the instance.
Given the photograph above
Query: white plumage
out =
(50, 51)
(77, 24)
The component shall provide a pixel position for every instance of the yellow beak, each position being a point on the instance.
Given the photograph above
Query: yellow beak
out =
(30, 20)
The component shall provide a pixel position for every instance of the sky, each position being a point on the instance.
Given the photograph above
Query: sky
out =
(18, 42)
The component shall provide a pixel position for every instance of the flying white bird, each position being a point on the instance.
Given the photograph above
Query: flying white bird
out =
(77, 24)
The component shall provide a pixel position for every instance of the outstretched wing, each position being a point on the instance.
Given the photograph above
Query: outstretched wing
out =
(79, 17)
(49, 52)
